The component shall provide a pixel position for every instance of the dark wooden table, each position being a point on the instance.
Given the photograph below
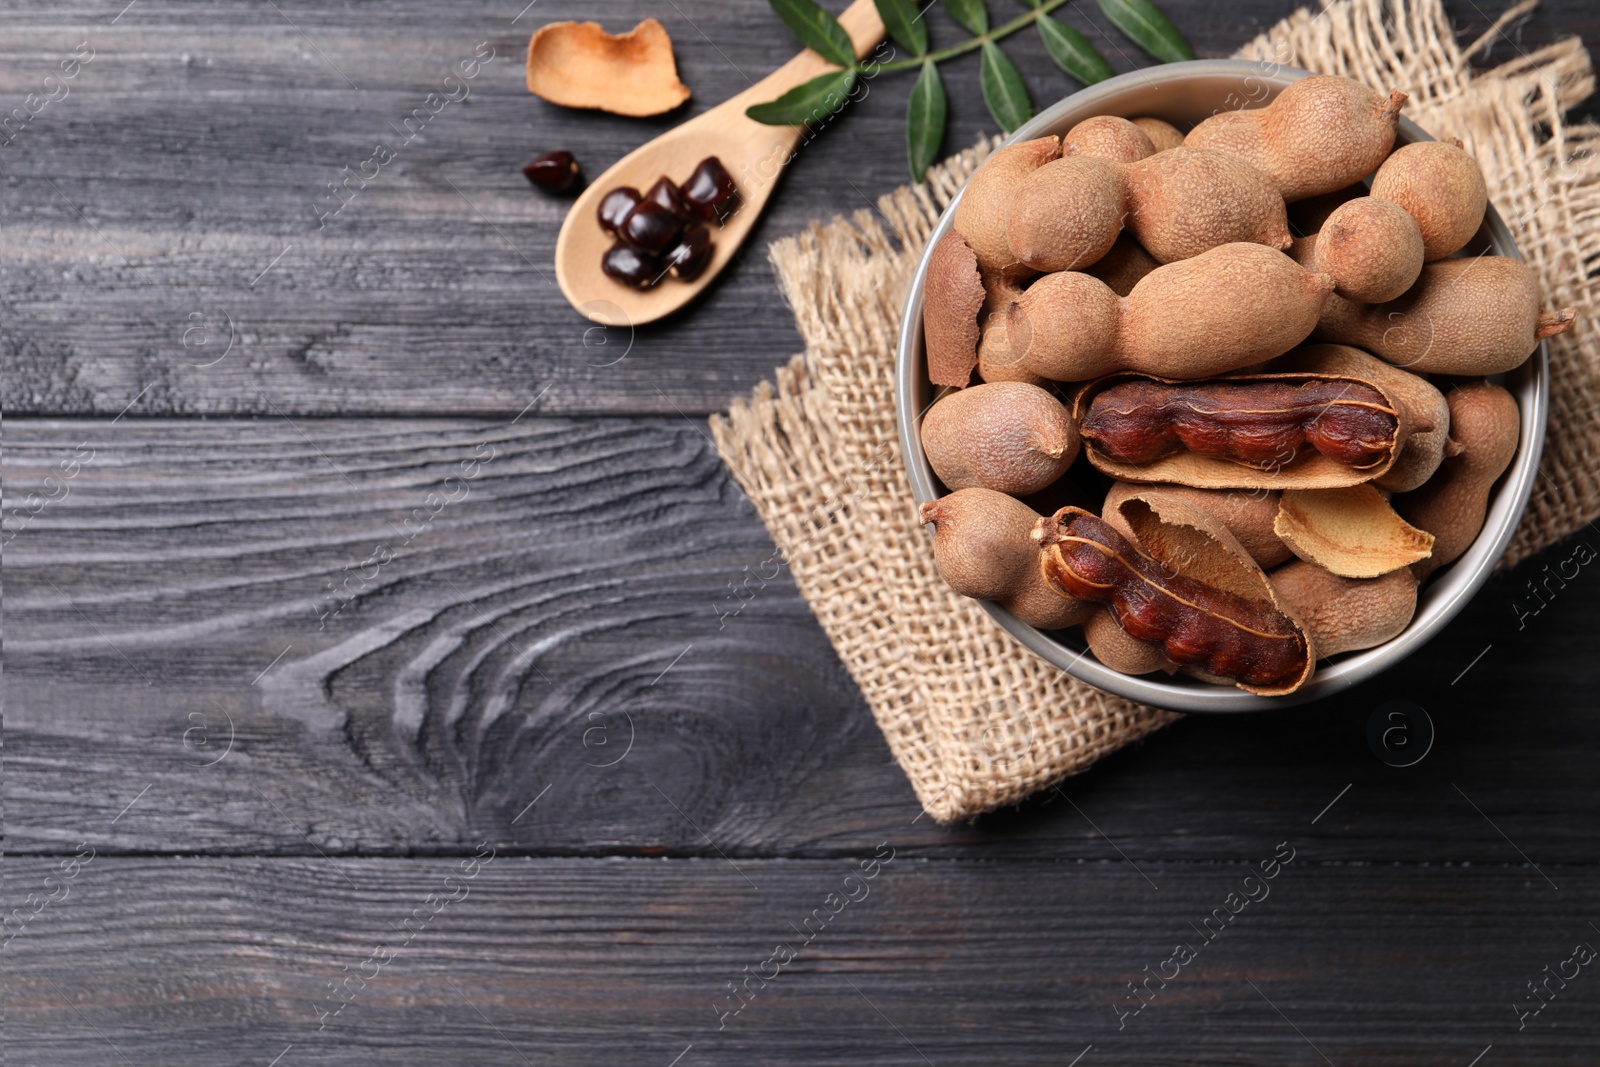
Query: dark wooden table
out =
(368, 696)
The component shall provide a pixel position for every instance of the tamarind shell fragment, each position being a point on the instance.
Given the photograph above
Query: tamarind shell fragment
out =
(1278, 430)
(1187, 587)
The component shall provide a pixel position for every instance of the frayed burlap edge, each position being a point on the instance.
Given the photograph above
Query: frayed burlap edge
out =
(975, 720)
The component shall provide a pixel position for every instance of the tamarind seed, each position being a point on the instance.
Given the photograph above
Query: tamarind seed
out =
(1259, 424)
(686, 259)
(666, 193)
(1195, 624)
(711, 192)
(650, 227)
(630, 266)
(615, 205)
(554, 172)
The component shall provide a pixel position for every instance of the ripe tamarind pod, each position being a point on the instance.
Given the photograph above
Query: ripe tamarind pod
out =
(1188, 200)
(1241, 637)
(1067, 213)
(985, 206)
(1009, 436)
(1372, 248)
(1271, 430)
(1227, 308)
(1124, 266)
(1441, 187)
(983, 548)
(1261, 424)
(1320, 134)
(1113, 647)
(1163, 135)
(1453, 503)
(1247, 514)
(1108, 137)
(1346, 614)
(1425, 445)
(1473, 317)
(953, 296)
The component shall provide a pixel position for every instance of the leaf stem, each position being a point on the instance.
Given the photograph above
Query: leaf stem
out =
(1005, 29)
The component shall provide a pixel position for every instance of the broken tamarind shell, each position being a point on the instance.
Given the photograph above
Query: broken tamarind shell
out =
(1246, 431)
(1189, 588)
(954, 296)
(1350, 531)
(579, 64)
(1248, 514)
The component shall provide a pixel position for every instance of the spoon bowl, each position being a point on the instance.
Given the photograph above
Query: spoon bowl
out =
(753, 153)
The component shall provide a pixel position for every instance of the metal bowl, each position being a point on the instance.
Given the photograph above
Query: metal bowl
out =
(1184, 93)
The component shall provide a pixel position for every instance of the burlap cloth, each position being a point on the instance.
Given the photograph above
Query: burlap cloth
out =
(975, 720)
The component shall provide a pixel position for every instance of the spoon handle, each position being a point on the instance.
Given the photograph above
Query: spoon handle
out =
(860, 20)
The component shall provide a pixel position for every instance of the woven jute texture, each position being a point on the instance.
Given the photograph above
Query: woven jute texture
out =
(975, 720)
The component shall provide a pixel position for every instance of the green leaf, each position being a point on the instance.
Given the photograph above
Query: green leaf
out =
(817, 30)
(1003, 89)
(1148, 28)
(1072, 51)
(808, 103)
(904, 23)
(970, 13)
(925, 121)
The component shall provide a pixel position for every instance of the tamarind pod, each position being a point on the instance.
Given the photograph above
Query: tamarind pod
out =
(1269, 428)
(1261, 424)
(1195, 624)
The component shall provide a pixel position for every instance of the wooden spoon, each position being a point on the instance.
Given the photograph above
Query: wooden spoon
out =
(753, 153)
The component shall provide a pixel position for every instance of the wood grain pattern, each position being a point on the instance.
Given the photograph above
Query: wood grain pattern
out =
(230, 961)
(180, 185)
(590, 574)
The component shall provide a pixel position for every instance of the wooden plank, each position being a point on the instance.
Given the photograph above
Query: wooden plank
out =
(171, 203)
(573, 578)
(231, 961)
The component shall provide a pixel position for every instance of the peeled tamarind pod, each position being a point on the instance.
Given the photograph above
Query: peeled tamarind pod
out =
(1372, 248)
(1124, 266)
(1441, 187)
(1272, 430)
(953, 296)
(983, 548)
(1453, 503)
(1346, 614)
(1067, 213)
(981, 216)
(1163, 135)
(1189, 200)
(1430, 416)
(1204, 605)
(1248, 514)
(1108, 137)
(1473, 317)
(1224, 309)
(1009, 436)
(1113, 647)
(1320, 134)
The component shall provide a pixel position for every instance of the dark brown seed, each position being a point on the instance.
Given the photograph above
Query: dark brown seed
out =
(630, 266)
(669, 196)
(615, 205)
(650, 227)
(689, 256)
(554, 172)
(711, 192)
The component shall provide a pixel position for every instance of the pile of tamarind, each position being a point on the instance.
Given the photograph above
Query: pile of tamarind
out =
(1268, 340)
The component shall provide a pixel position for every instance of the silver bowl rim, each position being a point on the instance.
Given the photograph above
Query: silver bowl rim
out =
(1438, 603)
